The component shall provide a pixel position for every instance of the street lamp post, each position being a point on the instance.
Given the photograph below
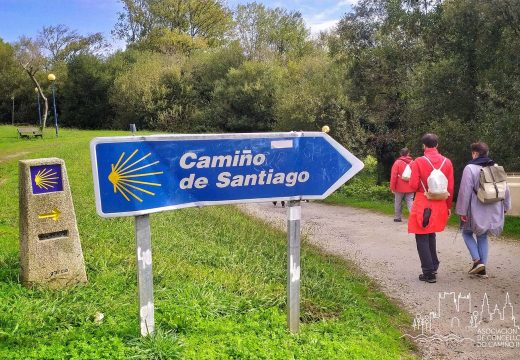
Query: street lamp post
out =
(39, 108)
(52, 79)
(12, 112)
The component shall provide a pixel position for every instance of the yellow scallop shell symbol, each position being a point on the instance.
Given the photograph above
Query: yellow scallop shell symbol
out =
(46, 179)
(127, 179)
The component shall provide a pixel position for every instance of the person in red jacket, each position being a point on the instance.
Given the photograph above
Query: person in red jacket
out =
(399, 186)
(429, 216)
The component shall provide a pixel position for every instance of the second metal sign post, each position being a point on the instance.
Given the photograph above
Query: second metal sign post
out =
(293, 265)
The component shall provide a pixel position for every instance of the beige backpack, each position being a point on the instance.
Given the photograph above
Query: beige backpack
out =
(492, 185)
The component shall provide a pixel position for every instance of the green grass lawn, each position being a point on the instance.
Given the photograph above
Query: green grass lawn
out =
(219, 281)
(511, 225)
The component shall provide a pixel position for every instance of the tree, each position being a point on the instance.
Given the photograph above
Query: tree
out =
(137, 94)
(135, 22)
(62, 43)
(30, 57)
(85, 101)
(245, 100)
(206, 19)
(313, 94)
(177, 108)
(376, 60)
(13, 83)
(465, 89)
(252, 29)
(206, 68)
(433, 66)
(170, 42)
(262, 31)
(288, 33)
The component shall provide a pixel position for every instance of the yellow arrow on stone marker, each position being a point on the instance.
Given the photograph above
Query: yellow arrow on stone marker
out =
(54, 215)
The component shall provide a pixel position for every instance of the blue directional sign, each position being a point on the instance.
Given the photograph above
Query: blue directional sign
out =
(142, 175)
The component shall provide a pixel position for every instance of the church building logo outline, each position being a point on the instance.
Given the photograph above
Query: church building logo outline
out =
(464, 321)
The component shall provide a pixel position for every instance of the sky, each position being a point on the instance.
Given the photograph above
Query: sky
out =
(27, 17)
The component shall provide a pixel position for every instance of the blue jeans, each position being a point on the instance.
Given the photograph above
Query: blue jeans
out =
(478, 248)
(398, 200)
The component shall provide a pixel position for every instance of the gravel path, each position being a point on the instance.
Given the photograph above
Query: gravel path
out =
(387, 253)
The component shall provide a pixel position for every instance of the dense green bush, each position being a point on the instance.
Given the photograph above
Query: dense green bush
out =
(244, 101)
(362, 188)
(84, 95)
(364, 185)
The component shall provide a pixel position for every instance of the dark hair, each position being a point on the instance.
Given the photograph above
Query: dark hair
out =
(430, 140)
(481, 148)
(404, 151)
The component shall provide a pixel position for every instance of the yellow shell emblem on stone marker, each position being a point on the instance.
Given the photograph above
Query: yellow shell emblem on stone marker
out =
(126, 178)
(46, 179)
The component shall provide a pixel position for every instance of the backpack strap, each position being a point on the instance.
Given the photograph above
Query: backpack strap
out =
(424, 187)
(494, 181)
(405, 164)
(443, 161)
(477, 185)
(434, 166)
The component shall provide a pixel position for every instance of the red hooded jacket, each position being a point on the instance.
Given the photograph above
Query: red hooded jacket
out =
(396, 183)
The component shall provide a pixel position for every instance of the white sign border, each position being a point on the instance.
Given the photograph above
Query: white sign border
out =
(357, 165)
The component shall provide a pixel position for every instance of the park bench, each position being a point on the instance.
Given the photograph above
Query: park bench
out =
(29, 132)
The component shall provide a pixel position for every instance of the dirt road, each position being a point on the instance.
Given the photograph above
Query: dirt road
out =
(459, 317)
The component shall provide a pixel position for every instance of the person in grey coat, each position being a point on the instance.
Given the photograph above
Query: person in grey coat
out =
(478, 220)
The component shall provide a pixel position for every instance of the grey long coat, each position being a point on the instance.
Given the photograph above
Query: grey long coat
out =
(482, 218)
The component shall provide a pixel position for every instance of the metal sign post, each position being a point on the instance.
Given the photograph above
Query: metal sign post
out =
(293, 266)
(140, 175)
(144, 274)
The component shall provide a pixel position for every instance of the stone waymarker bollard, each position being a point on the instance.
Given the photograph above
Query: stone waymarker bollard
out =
(50, 249)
